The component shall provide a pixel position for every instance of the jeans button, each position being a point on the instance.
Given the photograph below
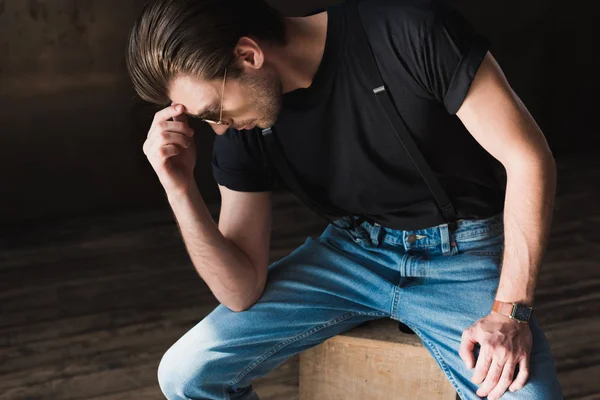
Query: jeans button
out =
(411, 238)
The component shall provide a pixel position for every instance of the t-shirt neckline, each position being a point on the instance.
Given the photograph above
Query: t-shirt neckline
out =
(334, 46)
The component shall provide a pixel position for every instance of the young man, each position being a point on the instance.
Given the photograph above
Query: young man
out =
(243, 67)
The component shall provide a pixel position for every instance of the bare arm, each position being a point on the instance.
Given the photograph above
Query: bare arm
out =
(232, 258)
(501, 123)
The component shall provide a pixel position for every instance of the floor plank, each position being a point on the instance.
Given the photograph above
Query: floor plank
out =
(88, 306)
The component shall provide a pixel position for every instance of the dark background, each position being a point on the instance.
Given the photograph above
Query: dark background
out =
(95, 280)
(72, 131)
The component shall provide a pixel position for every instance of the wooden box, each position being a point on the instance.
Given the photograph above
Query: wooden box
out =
(373, 361)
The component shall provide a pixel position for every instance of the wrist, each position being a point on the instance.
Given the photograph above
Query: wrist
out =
(507, 318)
(515, 299)
(189, 192)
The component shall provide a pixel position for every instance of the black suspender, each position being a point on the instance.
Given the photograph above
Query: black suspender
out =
(397, 124)
(395, 119)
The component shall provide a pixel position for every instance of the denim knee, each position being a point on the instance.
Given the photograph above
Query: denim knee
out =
(170, 377)
(182, 372)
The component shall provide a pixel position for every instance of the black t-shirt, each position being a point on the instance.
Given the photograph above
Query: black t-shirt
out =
(338, 142)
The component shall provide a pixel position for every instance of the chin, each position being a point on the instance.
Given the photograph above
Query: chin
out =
(265, 123)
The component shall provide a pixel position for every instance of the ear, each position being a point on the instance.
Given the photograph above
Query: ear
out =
(249, 54)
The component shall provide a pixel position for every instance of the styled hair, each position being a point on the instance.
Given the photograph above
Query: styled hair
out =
(196, 38)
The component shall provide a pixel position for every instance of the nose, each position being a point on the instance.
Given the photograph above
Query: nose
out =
(219, 129)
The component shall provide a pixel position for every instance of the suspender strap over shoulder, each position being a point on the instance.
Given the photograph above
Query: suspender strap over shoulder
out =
(395, 119)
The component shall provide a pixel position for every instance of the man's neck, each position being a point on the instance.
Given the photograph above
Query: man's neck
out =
(298, 61)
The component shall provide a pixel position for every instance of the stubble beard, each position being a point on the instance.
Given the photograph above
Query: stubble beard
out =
(267, 93)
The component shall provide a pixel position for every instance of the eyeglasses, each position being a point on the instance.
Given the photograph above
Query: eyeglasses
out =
(220, 121)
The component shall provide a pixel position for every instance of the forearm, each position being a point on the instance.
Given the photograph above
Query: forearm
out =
(530, 192)
(226, 269)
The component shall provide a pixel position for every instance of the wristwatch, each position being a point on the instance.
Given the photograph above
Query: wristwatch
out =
(517, 311)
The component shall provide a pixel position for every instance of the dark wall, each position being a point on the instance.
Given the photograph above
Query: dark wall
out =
(72, 132)
(571, 77)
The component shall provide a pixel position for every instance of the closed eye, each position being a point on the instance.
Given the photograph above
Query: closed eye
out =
(211, 114)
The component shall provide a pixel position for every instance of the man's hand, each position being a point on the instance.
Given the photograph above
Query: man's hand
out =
(505, 343)
(171, 149)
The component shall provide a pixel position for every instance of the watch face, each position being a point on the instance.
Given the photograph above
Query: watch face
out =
(522, 313)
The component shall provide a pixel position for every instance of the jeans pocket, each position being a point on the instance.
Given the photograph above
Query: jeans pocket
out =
(497, 254)
(490, 245)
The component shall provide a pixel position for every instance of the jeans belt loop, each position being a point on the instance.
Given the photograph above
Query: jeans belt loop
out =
(445, 239)
(375, 231)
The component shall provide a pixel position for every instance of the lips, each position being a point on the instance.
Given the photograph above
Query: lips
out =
(249, 126)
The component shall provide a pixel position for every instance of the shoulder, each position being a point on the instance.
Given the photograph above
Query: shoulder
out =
(396, 14)
(396, 30)
(410, 22)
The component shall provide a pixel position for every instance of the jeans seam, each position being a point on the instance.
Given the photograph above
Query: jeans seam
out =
(395, 300)
(291, 340)
(437, 355)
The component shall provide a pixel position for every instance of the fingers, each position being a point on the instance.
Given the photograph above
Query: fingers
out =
(165, 136)
(168, 113)
(181, 118)
(484, 361)
(176, 126)
(166, 144)
(492, 377)
(521, 378)
(168, 151)
(496, 384)
(174, 138)
(467, 344)
(495, 370)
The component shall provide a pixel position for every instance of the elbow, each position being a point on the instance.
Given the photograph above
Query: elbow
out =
(247, 296)
(249, 301)
(242, 307)
(539, 161)
(239, 307)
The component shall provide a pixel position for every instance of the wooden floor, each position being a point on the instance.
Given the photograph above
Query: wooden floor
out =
(88, 306)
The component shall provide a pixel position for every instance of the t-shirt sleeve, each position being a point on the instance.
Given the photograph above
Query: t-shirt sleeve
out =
(451, 52)
(239, 162)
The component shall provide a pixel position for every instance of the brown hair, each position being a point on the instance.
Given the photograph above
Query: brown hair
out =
(194, 37)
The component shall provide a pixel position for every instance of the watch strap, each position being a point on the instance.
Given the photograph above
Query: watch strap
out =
(502, 307)
(507, 309)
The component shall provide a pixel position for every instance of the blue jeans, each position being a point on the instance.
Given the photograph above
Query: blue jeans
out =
(438, 281)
